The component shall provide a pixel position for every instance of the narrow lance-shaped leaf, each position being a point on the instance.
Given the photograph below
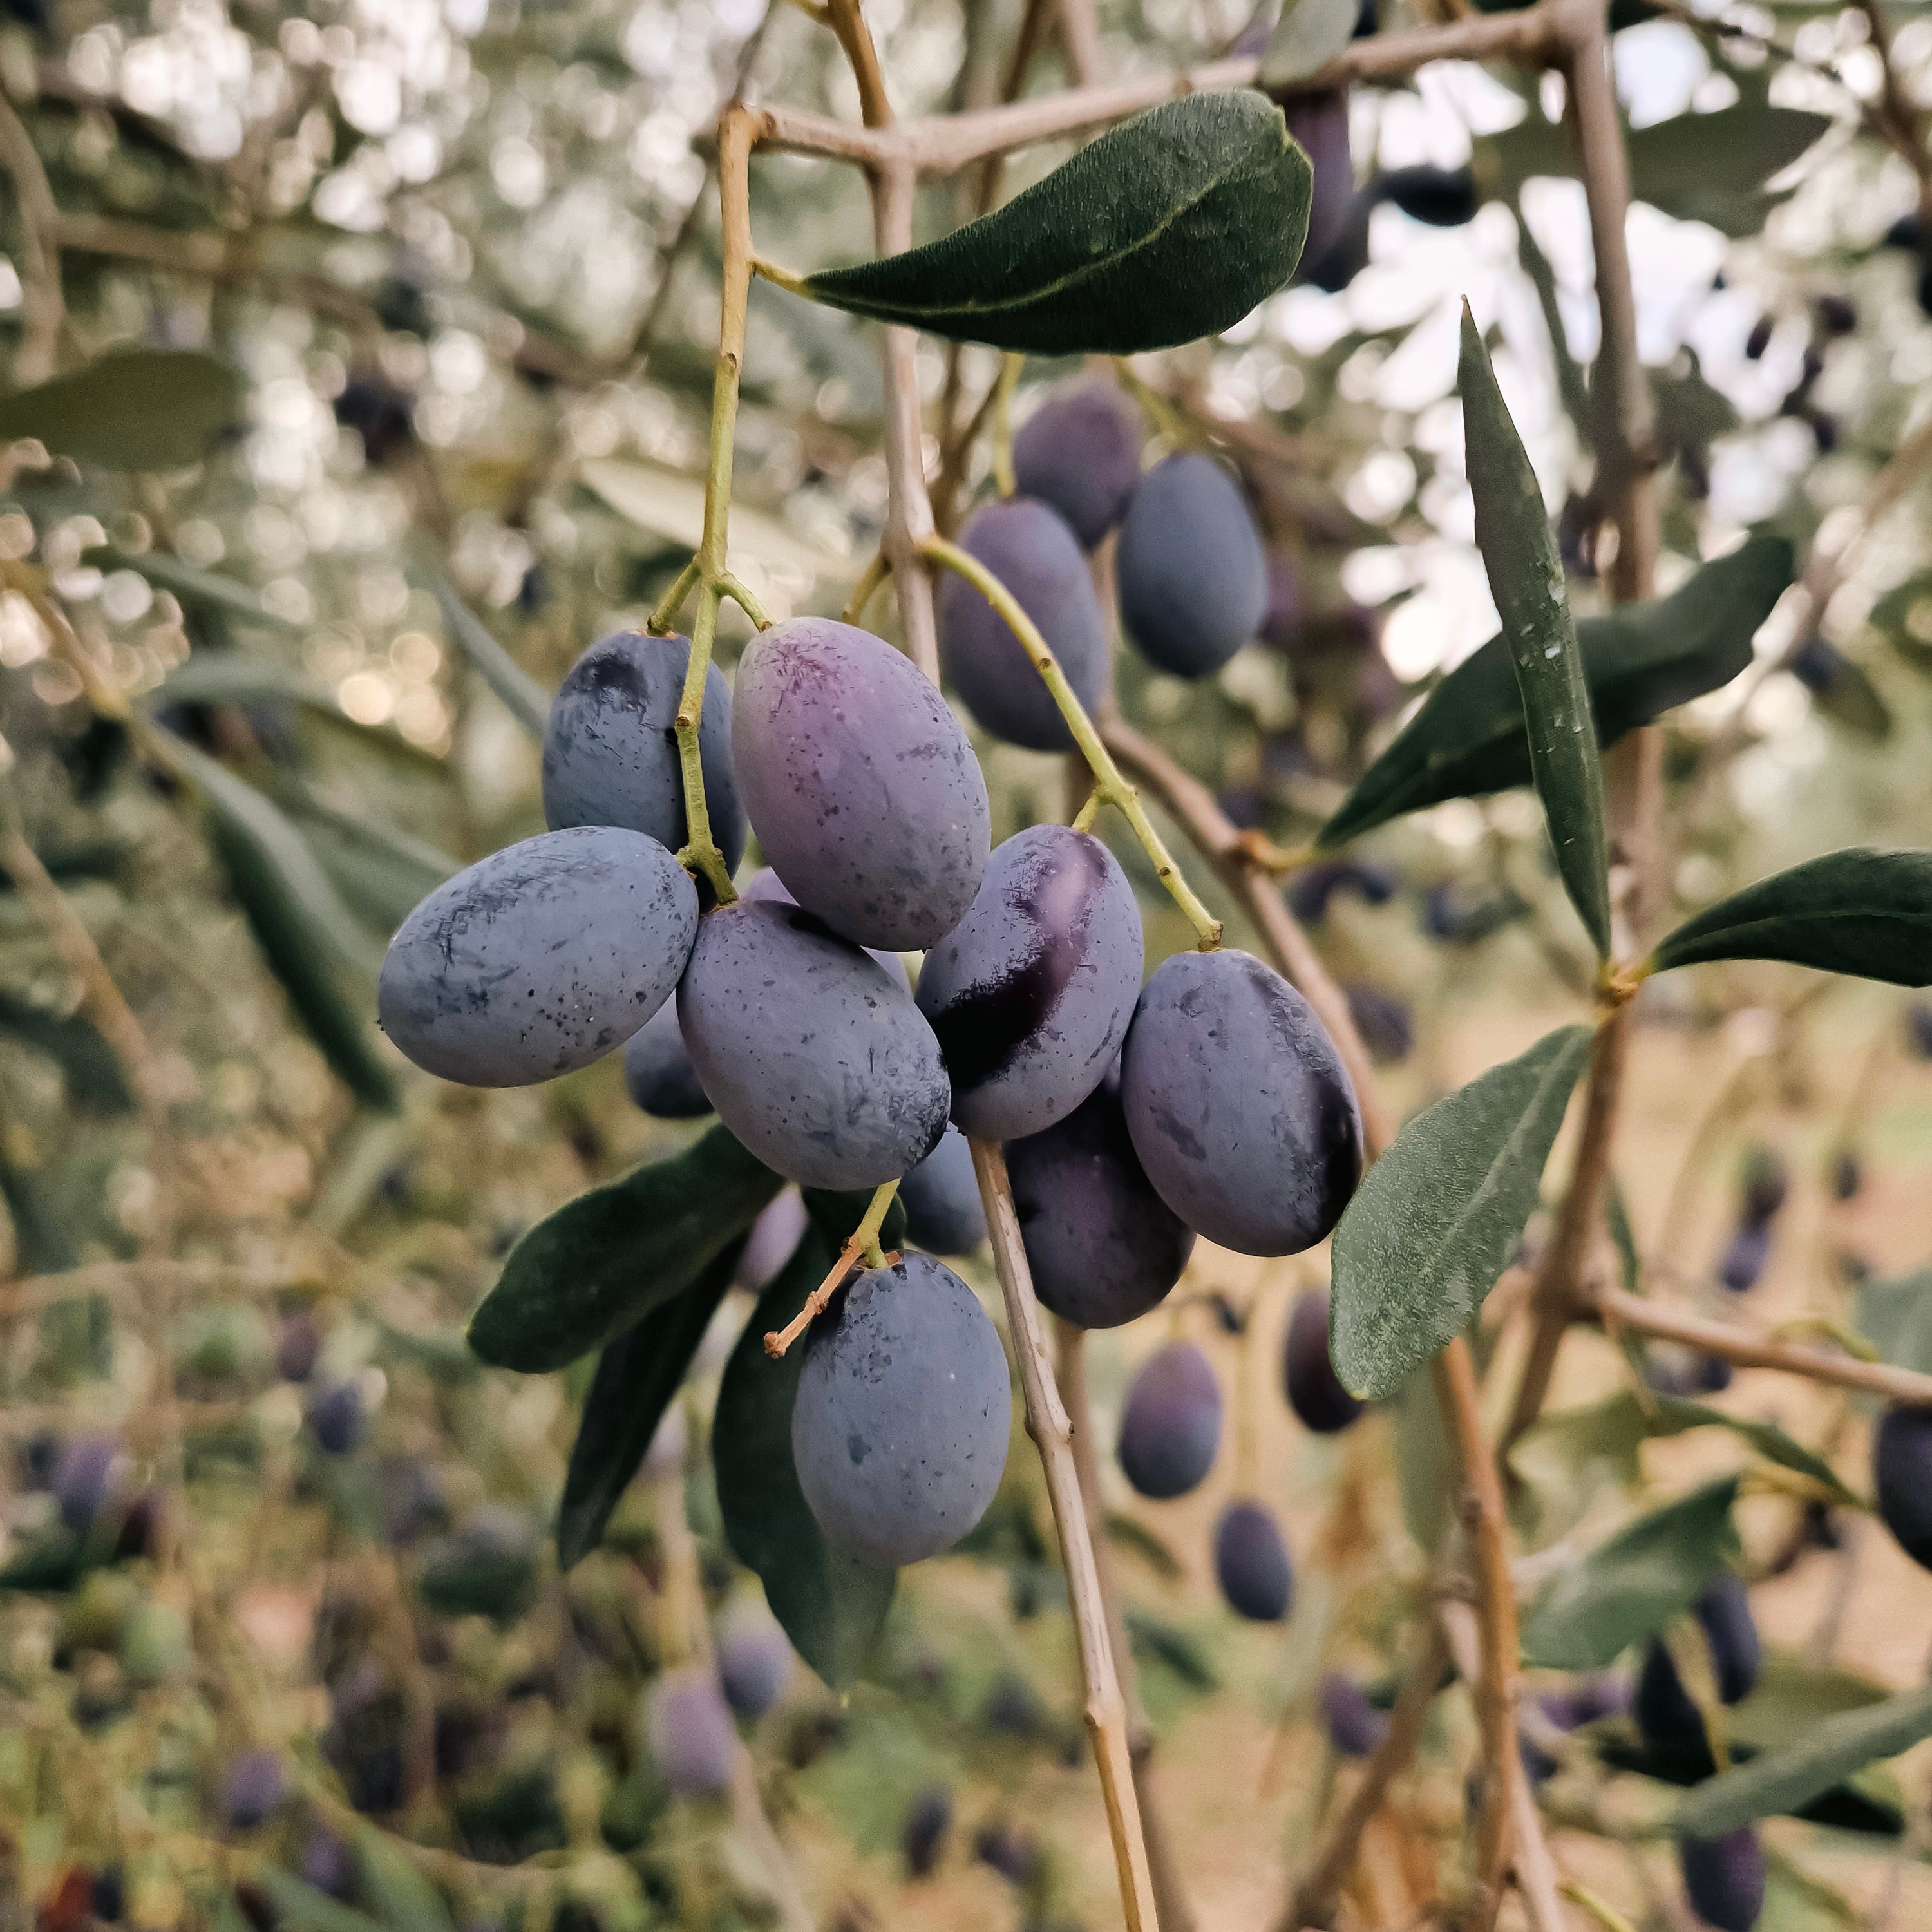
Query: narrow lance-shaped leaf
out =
(637, 1378)
(1896, 1318)
(832, 1606)
(1862, 911)
(1467, 738)
(1436, 1219)
(1526, 579)
(1310, 34)
(95, 1078)
(309, 937)
(606, 1259)
(1170, 227)
(134, 409)
(1672, 1415)
(522, 696)
(1786, 1779)
(1650, 1571)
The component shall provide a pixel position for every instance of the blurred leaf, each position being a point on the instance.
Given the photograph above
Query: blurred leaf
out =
(441, 1353)
(1152, 1638)
(1170, 226)
(637, 1378)
(134, 409)
(208, 589)
(383, 874)
(301, 1906)
(1902, 617)
(1823, 1755)
(1896, 1318)
(40, 1244)
(1676, 1414)
(1567, 1457)
(1623, 1237)
(308, 937)
(56, 1560)
(1130, 1533)
(1639, 660)
(1851, 699)
(1792, 1694)
(94, 1077)
(833, 1606)
(1650, 1571)
(1698, 167)
(1691, 413)
(669, 503)
(402, 1896)
(1436, 1219)
(1863, 911)
(1422, 1462)
(465, 1575)
(587, 1270)
(1309, 35)
(1794, 1901)
(1526, 577)
(522, 696)
(232, 677)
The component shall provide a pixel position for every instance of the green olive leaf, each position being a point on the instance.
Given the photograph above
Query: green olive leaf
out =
(604, 1260)
(135, 409)
(637, 1378)
(1865, 912)
(1169, 227)
(1786, 1778)
(832, 1606)
(96, 1080)
(1467, 739)
(1896, 1318)
(1526, 579)
(521, 694)
(1672, 1415)
(1436, 1219)
(1308, 36)
(1651, 1570)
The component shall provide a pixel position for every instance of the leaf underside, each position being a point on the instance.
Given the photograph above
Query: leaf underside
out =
(1436, 1219)
(1170, 227)
(133, 409)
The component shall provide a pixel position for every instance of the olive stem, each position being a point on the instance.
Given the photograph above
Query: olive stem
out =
(863, 1241)
(1052, 1432)
(877, 571)
(1003, 480)
(1109, 786)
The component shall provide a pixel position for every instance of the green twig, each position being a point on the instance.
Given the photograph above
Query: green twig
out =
(1109, 786)
(1010, 367)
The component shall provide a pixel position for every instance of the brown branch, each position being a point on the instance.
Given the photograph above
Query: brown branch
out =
(1052, 1432)
(1170, 1895)
(1317, 1892)
(1750, 1349)
(848, 23)
(1223, 845)
(43, 306)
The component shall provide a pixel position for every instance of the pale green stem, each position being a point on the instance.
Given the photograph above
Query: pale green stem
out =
(863, 1243)
(1109, 786)
(867, 587)
(1166, 418)
(1010, 366)
(744, 601)
(700, 853)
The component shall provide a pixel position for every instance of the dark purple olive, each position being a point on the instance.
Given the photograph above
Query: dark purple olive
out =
(255, 1789)
(329, 1864)
(1723, 1878)
(1744, 1256)
(1668, 1719)
(1011, 1851)
(88, 1476)
(922, 1837)
(1315, 886)
(1736, 1655)
(1816, 665)
(1315, 1391)
(339, 1418)
(754, 1666)
(1919, 1028)
(1902, 1475)
(1759, 340)
(1355, 1727)
(1171, 1425)
(1013, 1709)
(1251, 1564)
(1441, 197)
(1081, 452)
(1383, 1020)
(1586, 1701)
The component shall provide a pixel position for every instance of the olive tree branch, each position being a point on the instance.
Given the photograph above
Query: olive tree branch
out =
(862, 1242)
(1052, 1432)
(1109, 786)
(43, 306)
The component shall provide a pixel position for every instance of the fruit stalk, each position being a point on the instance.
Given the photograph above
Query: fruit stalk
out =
(1109, 786)
(864, 1241)
(1052, 1433)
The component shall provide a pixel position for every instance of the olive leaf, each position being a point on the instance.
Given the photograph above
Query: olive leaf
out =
(1788, 1778)
(1169, 227)
(381, 873)
(521, 694)
(1672, 1415)
(1650, 1571)
(309, 938)
(832, 1606)
(135, 409)
(402, 1895)
(1436, 1219)
(637, 1379)
(1526, 577)
(95, 1078)
(1468, 738)
(604, 1260)
(308, 1909)
(1896, 1318)
(1863, 911)
(1308, 36)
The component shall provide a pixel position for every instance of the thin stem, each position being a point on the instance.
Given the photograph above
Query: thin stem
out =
(744, 601)
(846, 20)
(867, 587)
(43, 306)
(1109, 785)
(1318, 1891)
(863, 1241)
(701, 853)
(1052, 1432)
(1750, 1348)
(1010, 367)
